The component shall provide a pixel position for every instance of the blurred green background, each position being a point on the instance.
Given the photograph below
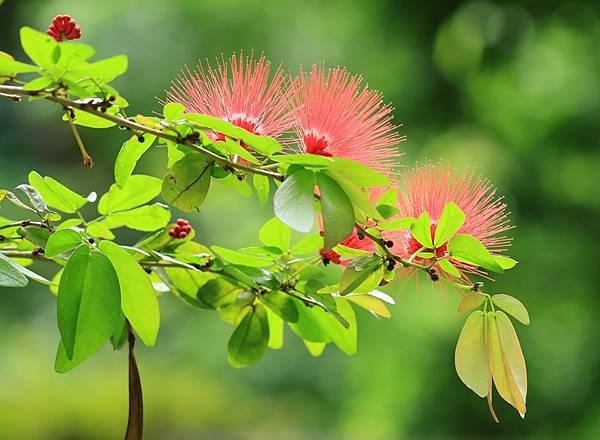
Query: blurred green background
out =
(512, 89)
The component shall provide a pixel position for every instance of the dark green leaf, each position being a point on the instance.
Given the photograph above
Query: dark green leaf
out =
(186, 184)
(294, 201)
(88, 304)
(249, 340)
(281, 304)
(337, 211)
(354, 276)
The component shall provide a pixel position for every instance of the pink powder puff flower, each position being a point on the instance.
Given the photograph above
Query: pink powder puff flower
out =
(239, 92)
(336, 116)
(63, 28)
(430, 187)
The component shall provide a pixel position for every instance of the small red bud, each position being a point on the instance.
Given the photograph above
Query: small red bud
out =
(172, 233)
(182, 234)
(63, 28)
(182, 222)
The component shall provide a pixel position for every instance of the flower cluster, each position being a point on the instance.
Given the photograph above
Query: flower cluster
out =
(330, 112)
(181, 229)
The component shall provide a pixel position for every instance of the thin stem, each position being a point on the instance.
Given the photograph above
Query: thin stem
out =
(23, 224)
(87, 159)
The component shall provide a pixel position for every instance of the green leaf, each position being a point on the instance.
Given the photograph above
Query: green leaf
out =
(29, 274)
(357, 173)
(35, 198)
(173, 111)
(262, 185)
(39, 47)
(505, 262)
(231, 147)
(449, 268)
(249, 340)
(86, 119)
(345, 338)
(263, 144)
(306, 160)
(99, 230)
(275, 233)
(9, 275)
(337, 211)
(35, 235)
(131, 151)
(236, 257)
(315, 348)
(275, 330)
(62, 241)
(282, 304)
(186, 184)
(468, 249)
(38, 84)
(398, 224)
(104, 70)
(512, 306)
(309, 244)
(370, 303)
(471, 301)
(450, 222)
(294, 201)
(138, 299)
(421, 230)
(11, 67)
(354, 276)
(146, 218)
(231, 181)
(359, 197)
(138, 190)
(88, 303)
(387, 211)
(55, 194)
(470, 357)
(307, 326)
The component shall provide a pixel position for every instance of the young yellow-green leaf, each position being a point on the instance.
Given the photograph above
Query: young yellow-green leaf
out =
(138, 299)
(230, 147)
(9, 275)
(275, 233)
(471, 301)
(505, 262)
(512, 306)
(468, 249)
(249, 340)
(104, 70)
(451, 220)
(138, 190)
(449, 268)
(275, 330)
(55, 194)
(262, 186)
(470, 357)
(357, 173)
(86, 119)
(173, 111)
(337, 211)
(505, 363)
(294, 201)
(147, 218)
(398, 224)
(131, 151)
(282, 304)
(242, 258)
(370, 303)
(9, 67)
(421, 230)
(39, 47)
(309, 244)
(513, 357)
(88, 303)
(307, 160)
(38, 84)
(186, 184)
(99, 230)
(62, 241)
(315, 348)
(345, 338)
(354, 276)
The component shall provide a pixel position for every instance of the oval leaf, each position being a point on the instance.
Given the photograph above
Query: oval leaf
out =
(512, 306)
(470, 357)
(451, 220)
(62, 241)
(294, 201)
(250, 338)
(186, 184)
(337, 211)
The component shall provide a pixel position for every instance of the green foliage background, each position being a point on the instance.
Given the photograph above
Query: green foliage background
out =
(511, 89)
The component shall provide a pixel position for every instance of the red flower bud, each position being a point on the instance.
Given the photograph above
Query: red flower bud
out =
(182, 222)
(182, 234)
(63, 28)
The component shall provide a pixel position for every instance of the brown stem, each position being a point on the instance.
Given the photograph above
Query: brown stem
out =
(87, 159)
(135, 420)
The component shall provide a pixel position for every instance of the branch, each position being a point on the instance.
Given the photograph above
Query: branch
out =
(127, 123)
